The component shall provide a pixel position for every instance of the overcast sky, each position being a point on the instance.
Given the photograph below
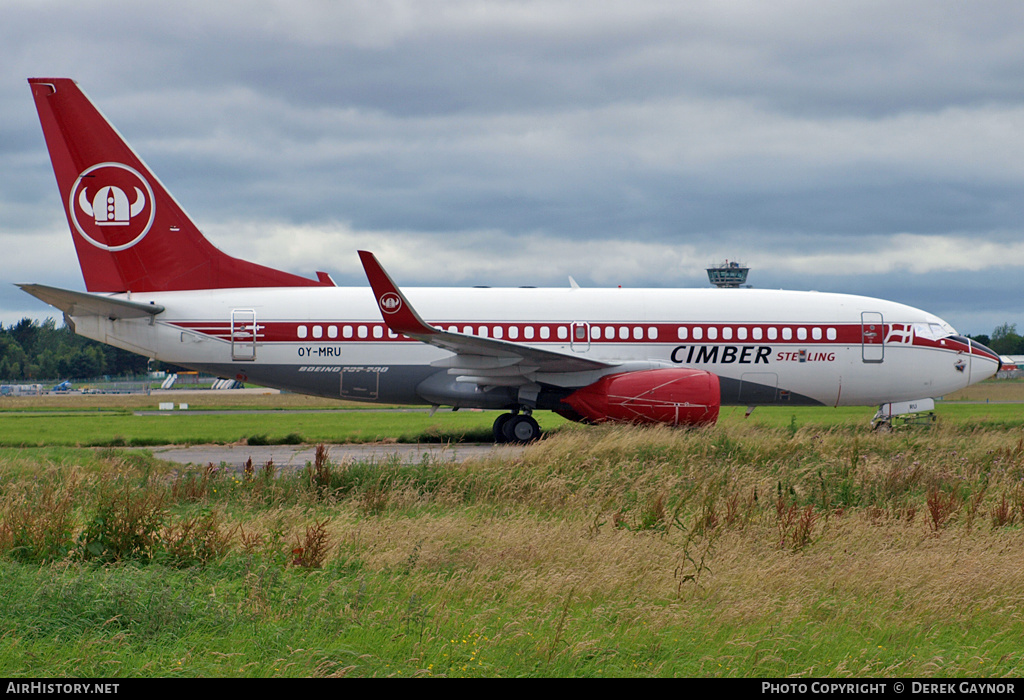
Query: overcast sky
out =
(866, 147)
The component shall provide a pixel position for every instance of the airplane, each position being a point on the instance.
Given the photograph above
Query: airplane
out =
(156, 286)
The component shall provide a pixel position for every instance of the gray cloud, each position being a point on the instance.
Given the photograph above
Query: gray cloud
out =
(864, 146)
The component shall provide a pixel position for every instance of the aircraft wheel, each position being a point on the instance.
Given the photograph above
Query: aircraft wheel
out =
(521, 429)
(499, 427)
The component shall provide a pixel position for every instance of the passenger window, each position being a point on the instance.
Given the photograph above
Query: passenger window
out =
(682, 333)
(303, 331)
(545, 332)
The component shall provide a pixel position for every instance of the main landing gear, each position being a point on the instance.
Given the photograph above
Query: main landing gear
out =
(518, 428)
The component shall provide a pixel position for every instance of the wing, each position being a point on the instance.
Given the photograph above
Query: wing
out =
(487, 362)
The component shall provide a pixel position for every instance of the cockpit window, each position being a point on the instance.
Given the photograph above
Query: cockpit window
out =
(933, 331)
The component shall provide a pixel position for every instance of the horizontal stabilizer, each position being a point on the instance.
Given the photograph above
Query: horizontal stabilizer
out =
(85, 304)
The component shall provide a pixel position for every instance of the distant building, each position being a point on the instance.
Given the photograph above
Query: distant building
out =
(21, 390)
(1013, 367)
(728, 274)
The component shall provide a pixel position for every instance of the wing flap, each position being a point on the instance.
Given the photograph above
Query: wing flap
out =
(479, 362)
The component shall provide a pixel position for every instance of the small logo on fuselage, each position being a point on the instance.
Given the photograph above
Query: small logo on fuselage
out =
(111, 206)
(390, 302)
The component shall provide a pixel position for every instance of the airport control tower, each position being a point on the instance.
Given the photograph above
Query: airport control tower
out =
(728, 274)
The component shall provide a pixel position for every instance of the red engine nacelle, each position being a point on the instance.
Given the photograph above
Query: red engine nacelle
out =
(671, 396)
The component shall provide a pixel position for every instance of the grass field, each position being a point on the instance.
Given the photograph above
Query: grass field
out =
(104, 420)
(792, 543)
(123, 428)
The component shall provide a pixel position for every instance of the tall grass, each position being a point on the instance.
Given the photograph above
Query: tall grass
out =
(739, 550)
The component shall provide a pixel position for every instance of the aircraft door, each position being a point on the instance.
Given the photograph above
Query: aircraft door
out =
(872, 337)
(243, 334)
(579, 336)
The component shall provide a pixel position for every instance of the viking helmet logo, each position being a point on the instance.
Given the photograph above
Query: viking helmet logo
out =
(390, 302)
(112, 206)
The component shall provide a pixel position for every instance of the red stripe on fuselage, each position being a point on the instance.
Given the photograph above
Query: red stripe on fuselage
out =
(608, 332)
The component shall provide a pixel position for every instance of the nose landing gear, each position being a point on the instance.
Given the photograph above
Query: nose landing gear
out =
(517, 428)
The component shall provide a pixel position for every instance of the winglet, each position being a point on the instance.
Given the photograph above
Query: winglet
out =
(398, 313)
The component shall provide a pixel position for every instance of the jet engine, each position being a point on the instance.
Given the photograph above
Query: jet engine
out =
(671, 396)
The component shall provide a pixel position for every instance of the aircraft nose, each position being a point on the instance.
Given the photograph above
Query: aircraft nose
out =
(980, 352)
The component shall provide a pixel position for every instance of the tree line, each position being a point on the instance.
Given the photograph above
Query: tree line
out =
(34, 351)
(1004, 340)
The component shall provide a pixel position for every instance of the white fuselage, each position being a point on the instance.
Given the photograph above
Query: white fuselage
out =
(766, 346)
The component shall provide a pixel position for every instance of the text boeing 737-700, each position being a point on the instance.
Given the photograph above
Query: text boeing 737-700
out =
(157, 287)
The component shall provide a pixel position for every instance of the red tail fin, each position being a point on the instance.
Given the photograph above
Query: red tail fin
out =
(129, 232)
